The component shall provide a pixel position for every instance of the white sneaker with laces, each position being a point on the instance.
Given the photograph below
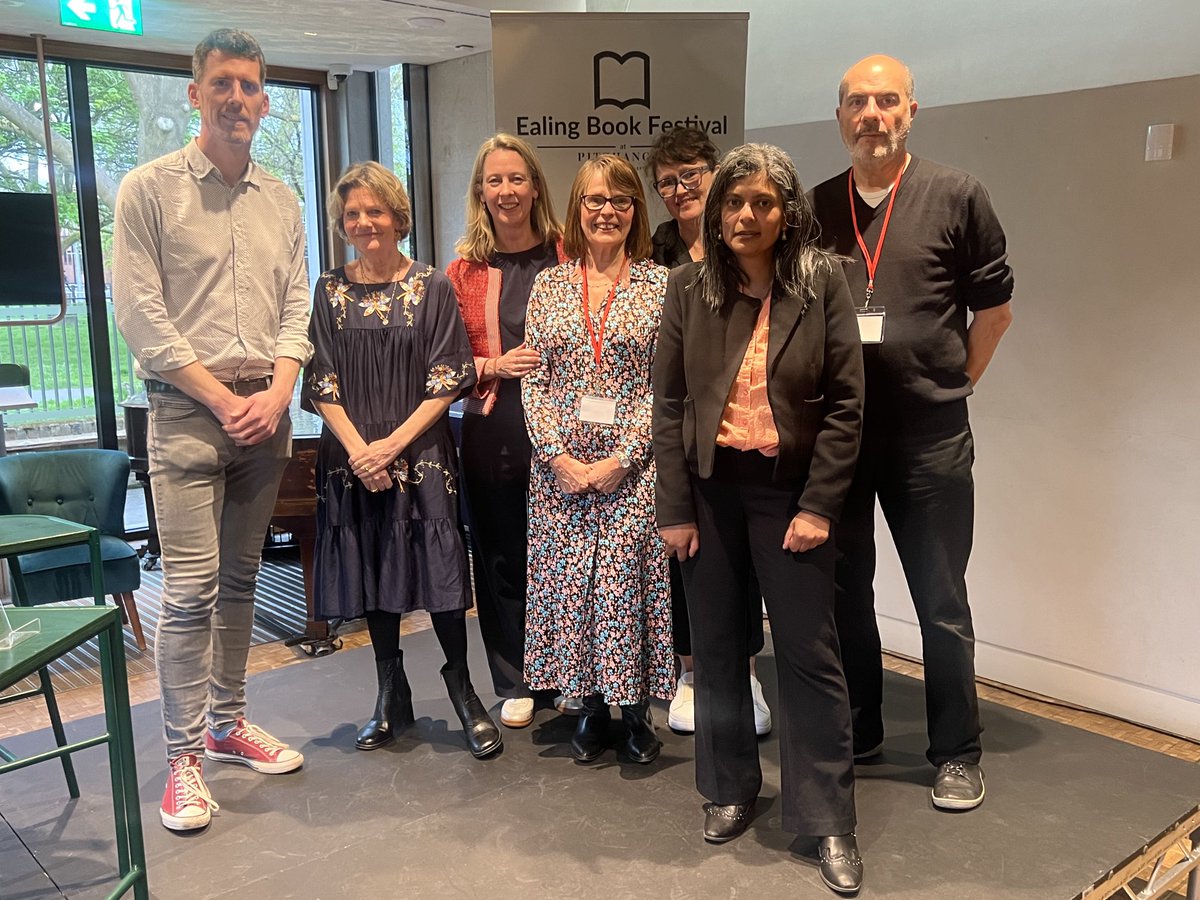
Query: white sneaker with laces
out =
(762, 712)
(516, 712)
(681, 716)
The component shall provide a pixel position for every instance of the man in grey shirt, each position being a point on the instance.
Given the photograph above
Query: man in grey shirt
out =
(211, 295)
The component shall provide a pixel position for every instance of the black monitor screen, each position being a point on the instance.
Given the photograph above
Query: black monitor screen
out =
(29, 270)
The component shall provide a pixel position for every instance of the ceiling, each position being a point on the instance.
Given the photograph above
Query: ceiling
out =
(960, 50)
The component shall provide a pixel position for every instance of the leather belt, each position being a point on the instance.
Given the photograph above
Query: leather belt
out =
(242, 388)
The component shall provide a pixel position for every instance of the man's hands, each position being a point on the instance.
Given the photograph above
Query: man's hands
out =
(251, 420)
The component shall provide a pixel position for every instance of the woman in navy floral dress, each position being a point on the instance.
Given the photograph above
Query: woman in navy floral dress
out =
(390, 356)
(598, 619)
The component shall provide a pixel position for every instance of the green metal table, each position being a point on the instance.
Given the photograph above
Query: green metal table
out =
(62, 630)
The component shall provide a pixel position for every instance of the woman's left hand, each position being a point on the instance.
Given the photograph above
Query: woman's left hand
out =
(806, 531)
(377, 481)
(606, 475)
(374, 458)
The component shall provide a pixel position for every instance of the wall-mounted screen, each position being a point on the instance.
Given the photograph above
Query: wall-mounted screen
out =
(29, 270)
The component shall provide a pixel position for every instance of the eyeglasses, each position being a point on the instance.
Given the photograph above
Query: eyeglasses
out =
(689, 178)
(596, 202)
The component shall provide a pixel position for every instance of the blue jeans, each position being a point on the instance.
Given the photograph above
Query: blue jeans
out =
(213, 501)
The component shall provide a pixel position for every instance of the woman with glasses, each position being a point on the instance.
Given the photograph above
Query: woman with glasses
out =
(512, 234)
(598, 615)
(681, 164)
(758, 390)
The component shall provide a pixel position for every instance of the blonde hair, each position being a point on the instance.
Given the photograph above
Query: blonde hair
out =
(383, 183)
(479, 243)
(619, 176)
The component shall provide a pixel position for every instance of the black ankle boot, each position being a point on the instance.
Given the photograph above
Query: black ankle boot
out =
(483, 737)
(393, 707)
(642, 745)
(592, 729)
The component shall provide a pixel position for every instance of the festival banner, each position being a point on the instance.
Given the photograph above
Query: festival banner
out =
(579, 85)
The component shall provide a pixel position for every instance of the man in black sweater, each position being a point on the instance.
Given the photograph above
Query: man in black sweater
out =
(928, 270)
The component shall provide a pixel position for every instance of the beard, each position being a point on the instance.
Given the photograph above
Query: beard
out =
(862, 152)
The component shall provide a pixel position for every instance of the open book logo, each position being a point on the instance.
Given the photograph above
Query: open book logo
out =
(621, 75)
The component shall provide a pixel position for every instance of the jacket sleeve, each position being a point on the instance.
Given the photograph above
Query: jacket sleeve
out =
(673, 485)
(835, 451)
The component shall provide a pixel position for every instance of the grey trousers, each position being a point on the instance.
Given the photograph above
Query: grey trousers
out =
(213, 501)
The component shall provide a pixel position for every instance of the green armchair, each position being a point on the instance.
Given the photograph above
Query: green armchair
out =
(85, 486)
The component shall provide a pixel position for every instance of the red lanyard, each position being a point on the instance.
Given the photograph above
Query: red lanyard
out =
(596, 339)
(873, 262)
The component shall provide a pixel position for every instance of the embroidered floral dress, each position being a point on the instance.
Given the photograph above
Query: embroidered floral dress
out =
(598, 613)
(379, 351)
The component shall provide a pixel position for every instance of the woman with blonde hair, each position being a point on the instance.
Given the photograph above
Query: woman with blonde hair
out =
(598, 620)
(390, 356)
(511, 236)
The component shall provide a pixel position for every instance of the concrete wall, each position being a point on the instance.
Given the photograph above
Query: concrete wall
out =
(460, 119)
(1085, 571)
(1087, 425)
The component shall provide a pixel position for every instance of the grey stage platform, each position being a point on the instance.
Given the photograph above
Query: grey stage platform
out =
(423, 819)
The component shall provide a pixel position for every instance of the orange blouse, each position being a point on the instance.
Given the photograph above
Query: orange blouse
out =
(747, 423)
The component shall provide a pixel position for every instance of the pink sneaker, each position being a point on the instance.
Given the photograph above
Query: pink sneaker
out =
(251, 746)
(186, 803)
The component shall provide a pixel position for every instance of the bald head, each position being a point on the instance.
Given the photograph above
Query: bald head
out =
(878, 68)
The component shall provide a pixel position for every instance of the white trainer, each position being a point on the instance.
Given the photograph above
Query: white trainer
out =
(681, 716)
(516, 712)
(762, 712)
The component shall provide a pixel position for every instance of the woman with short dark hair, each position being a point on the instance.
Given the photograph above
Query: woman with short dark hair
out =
(758, 390)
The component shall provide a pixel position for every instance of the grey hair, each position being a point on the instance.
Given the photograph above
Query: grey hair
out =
(798, 260)
(230, 42)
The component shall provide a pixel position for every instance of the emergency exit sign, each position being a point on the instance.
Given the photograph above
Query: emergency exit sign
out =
(121, 16)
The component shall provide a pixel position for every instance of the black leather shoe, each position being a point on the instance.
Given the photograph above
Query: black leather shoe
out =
(642, 745)
(591, 731)
(393, 706)
(724, 823)
(959, 785)
(841, 866)
(483, 737)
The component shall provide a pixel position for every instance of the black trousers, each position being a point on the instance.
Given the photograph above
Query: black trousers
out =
(681, 624)
(919, 466)
(495, 467)
(742, 519)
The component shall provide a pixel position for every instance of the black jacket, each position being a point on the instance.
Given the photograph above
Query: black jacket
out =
(814, 386)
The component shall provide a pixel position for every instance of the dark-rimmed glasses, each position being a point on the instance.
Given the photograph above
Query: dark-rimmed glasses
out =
(689, 178)
(597, 202)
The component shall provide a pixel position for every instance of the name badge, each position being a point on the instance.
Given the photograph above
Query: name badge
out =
(870, 324)
(598, 410)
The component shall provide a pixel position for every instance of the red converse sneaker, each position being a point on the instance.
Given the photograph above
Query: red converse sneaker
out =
(251, 746)
(186, 803)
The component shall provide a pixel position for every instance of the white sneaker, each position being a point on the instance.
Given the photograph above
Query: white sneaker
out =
(516, 712)
(681, 716)
(762, 712)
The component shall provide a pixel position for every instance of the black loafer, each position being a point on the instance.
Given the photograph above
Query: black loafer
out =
(724, 823)
(841, 866)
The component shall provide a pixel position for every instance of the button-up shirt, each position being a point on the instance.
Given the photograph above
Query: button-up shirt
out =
(748, 423)
(204, 272)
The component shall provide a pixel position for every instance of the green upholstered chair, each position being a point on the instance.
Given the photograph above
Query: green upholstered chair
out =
(85, 486)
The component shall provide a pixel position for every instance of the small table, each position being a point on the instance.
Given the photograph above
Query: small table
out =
(62, 630)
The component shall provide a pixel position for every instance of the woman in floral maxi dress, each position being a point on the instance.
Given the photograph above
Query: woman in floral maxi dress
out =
(598, 618)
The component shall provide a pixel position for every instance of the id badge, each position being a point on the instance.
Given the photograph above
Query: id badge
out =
(598, 410)
(870, 324)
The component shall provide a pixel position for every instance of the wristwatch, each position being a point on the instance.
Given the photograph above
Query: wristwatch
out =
(622, 460)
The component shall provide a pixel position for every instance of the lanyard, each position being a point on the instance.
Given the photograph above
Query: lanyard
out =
(596, 339)
(872, 262)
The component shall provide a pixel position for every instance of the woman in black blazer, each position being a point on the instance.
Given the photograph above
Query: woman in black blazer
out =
(758, 390)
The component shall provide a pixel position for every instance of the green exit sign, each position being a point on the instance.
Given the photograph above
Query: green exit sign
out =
(121, 16)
